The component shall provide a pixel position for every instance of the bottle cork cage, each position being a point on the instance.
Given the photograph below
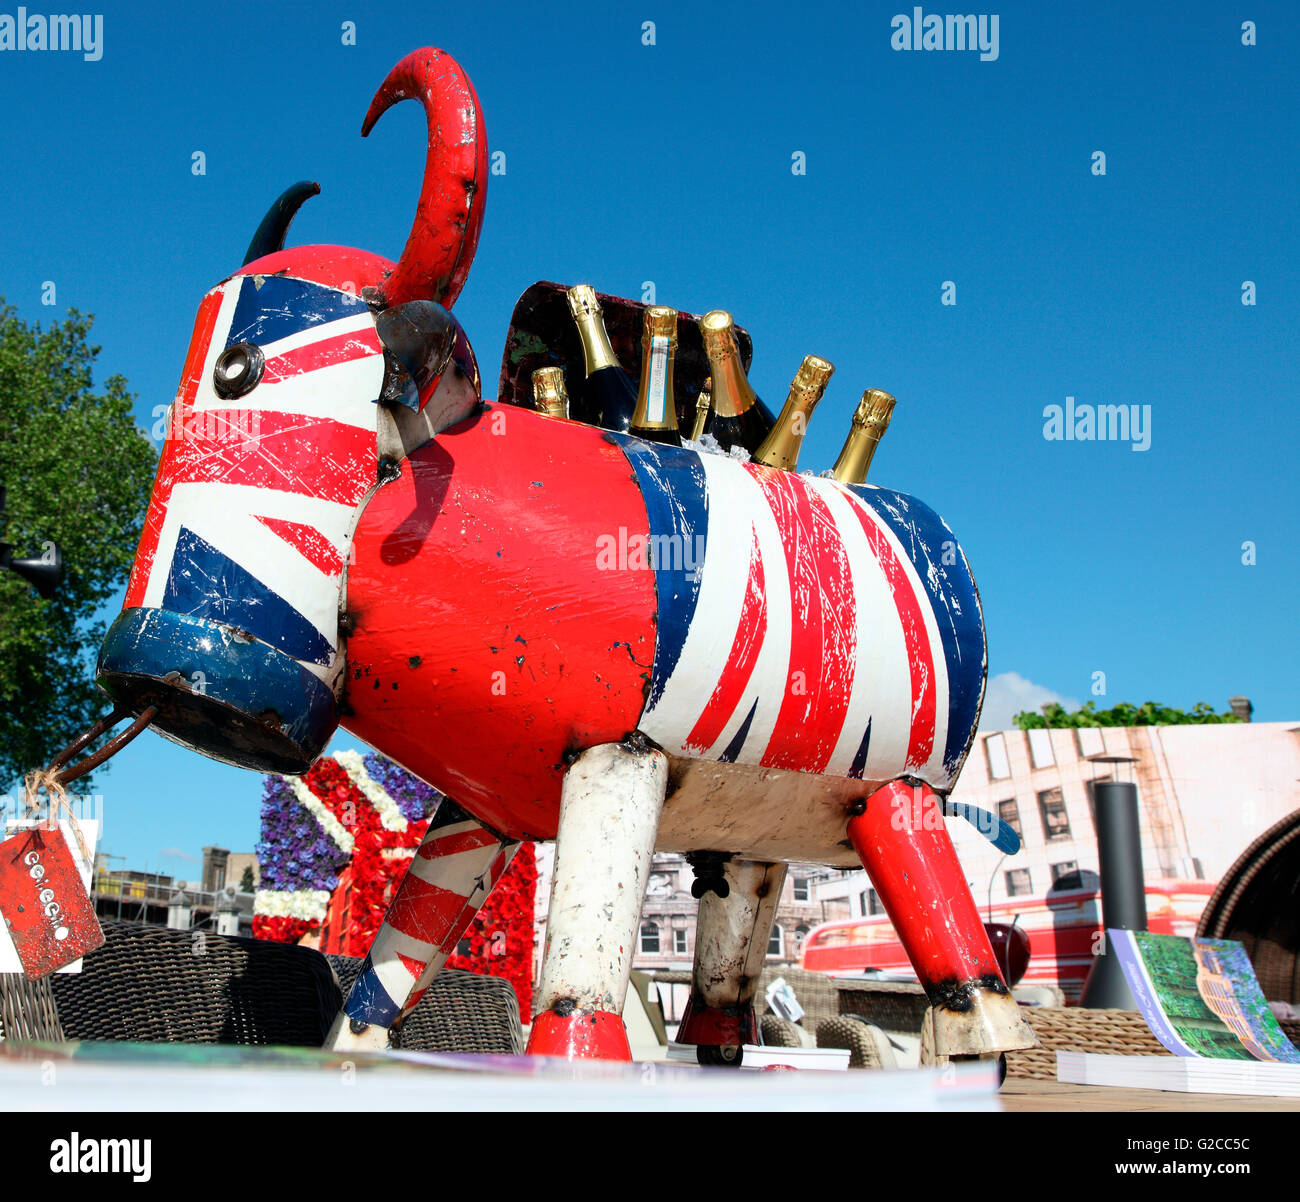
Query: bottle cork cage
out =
(542, 334)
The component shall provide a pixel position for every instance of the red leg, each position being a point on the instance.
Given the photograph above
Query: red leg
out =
(903, 844)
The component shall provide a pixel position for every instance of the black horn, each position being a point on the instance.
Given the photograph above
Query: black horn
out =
(275, 225)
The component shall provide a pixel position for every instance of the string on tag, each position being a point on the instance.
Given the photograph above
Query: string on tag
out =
(48, 779)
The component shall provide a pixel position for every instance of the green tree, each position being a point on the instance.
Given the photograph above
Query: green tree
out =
(1149, 713)
(246, 881)
(76, 470)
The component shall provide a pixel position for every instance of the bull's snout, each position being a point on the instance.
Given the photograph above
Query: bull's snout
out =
(218, 690)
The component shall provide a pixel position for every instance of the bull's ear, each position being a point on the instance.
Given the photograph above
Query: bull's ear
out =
(418, 339)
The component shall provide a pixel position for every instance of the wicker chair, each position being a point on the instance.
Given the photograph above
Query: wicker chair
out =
(867, 1044)
(896, 1006)
(152, 984)
(854, 1015)
(1254, 903)
(155, 985)
(459, 1012)
(777, 1032)
(27, 1010)
(815, 991)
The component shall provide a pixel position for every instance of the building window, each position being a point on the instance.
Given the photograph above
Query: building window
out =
(1009, 812)
(1089, 740)
(800, 934)
(1065, 868)
(679, 943)
(774, 942)
(995, 747)
(649, 938)
(801, 890)
(1040, 748)
(871, 903)
(1018, 883)
(1056, 822)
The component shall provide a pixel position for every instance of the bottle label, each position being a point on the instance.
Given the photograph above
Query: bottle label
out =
(655, 399)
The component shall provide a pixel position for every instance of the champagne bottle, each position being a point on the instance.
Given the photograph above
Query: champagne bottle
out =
(703, 407)
(608, 394)
(781, 447)
(549, 394)
(739, 417)
(656, 411)
(869, 425)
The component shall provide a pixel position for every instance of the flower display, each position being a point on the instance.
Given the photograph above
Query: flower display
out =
(335, 844)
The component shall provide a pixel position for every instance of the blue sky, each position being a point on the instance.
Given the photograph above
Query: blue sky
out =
(672, 163)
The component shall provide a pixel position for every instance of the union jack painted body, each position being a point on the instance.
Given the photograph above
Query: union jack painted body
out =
(751, 622)
(574, 633)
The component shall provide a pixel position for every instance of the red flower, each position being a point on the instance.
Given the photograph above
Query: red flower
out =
(501, 936)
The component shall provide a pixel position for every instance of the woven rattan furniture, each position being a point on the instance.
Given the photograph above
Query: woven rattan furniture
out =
(460, 1012)
(152, 984)
(815, 991)
(897, 1006)
(27, 1010)
(777, 1032)
(1073, 1029)
(867, 1044)
(1255, 903)
(155, 985)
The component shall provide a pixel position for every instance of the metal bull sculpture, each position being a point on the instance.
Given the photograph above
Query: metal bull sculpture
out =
(578, 635)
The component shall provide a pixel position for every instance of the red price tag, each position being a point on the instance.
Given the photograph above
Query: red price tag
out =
(45, 906)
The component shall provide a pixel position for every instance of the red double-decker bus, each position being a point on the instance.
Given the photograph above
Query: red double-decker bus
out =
(1064, 929)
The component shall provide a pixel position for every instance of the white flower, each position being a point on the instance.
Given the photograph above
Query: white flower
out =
(314, 806)
(306, 904)
(389, 814)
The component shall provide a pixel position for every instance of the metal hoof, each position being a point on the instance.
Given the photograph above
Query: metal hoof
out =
(713, 1056)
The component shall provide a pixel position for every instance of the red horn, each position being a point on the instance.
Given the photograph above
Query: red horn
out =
(443, 239)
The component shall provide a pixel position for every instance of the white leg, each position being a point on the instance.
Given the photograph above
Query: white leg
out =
(731, 936)
(609, 815)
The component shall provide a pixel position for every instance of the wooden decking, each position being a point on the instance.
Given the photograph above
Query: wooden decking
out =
(1022, 1095)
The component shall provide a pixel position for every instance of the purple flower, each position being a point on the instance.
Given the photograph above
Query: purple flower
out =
(293, 852)
(416, 799)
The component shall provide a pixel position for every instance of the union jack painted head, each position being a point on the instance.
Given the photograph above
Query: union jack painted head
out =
(276, 436)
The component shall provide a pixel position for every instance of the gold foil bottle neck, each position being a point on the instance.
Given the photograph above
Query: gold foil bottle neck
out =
(870, 421)
(875, 410)
(784, 441)
(550, 395)
(583, 302)
(718, 330)
(813, 375)
(587, 316)
(703, 403)
(660, 322)
(656, 410)
(732, 392)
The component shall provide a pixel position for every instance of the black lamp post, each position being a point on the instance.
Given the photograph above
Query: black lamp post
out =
(43, 573)
(1123, 889)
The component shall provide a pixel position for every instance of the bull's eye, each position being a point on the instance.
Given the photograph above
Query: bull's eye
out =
(238, 370)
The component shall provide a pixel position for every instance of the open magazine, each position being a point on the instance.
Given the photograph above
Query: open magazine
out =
(1200, 997)
(1201, 1000)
